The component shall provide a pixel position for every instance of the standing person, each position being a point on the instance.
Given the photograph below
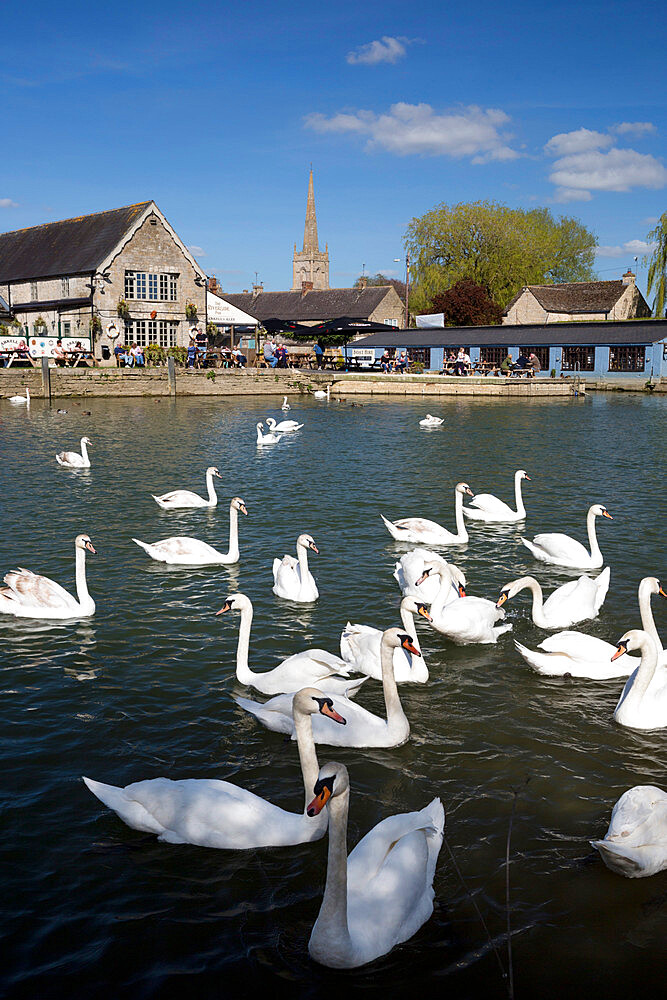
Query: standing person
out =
(318, 350)
(534, 363)
(462, 363)
(201, 343)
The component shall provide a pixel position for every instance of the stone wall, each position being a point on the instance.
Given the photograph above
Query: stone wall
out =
(391, 310)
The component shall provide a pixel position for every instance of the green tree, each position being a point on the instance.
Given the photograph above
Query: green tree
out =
(498, 247)
(381, 279)
(657, 267)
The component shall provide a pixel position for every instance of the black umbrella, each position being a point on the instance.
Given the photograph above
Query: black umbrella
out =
(275, 325)
(343, 329)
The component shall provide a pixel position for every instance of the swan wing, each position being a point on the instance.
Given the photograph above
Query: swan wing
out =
(409, 568)
(316, 660)
(181, 549)
(70, 458)
(488, 504)
(32, 590)
(275, 714)
(558, 546)
(181, 498)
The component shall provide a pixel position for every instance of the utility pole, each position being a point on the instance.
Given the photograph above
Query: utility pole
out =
(407, 288)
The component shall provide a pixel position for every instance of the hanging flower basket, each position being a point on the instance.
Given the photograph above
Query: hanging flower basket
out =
(190, 311)
(96, 326)
(123, 309)
(40, 323)
(153, 313)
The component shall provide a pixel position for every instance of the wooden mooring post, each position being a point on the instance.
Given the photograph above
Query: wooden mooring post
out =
(171, 375)
(46, 379)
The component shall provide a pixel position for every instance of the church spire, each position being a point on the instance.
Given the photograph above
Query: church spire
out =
(310, 244)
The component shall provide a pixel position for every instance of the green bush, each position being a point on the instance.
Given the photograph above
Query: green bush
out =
(155, 355)
(179, 354)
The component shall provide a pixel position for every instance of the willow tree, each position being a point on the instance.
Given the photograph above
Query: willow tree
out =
(657, 268)
(498, 247)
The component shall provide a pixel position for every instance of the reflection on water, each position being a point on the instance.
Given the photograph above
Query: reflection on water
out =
(144, 688)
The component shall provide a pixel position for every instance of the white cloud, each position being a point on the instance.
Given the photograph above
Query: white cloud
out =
(565, 194)
(410, 129)
(614, 170)
(635, 247)
(633, 128)
(8, 203)
(197, 251)
(581, 141)
(387, 49)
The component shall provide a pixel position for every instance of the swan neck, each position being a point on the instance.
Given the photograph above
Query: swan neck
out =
(303, 729)
(461, 530)
(243, 672)
(645, 670)
(440, 600)
(212, 495)
(332, 918)
(82, 594)
(592, 537)
(518, 498)
(84, 450)
(538, 602)
(302, 556)
(233, 533)
(646, 613)
(392, 702)
(408, 622)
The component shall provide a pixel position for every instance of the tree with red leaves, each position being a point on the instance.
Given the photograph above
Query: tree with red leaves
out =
(467, 304)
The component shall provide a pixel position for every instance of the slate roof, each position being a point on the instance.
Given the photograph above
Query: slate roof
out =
(73, 246)
(575, 297)
(648, 331)
(314, 305)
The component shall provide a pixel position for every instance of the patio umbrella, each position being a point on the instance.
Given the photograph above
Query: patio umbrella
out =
(275, 325)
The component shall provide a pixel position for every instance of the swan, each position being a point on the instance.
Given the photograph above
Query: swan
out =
(422, 531)
(179, 499)
(20, 399)
(561, 550)
(291, 577)
(72, 460)
(635, 845)
(574, 602)
(360, 647)
(581, 655)
(363, 729)
(28, 595)
(183, 551)
(310, 667)
(266, 438)
(643, 703)
(410, 567)
(382, 893)
(285, 405)
(284, 427)
(486, 507)
(431, 421)
(467, 620)
(321, 394)
(209, 812)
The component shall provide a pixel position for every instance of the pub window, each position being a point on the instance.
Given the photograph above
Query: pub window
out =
(129, 284)
(164, 287)
(33, 291)
(173, 287)
(67, 329)
(140, 285)
(578, 359)
(492, 355)
(167, 332)
(422, 355)
(64, 286)
(152, 286)
(627, 358)
(542, 355)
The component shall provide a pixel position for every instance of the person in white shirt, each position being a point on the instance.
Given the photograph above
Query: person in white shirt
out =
(462, 363)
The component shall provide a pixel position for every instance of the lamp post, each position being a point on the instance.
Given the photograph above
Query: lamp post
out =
(397, 260)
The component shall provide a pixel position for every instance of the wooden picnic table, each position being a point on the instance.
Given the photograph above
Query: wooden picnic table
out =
(13, 355)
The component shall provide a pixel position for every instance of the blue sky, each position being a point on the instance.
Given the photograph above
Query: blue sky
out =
(218, 112)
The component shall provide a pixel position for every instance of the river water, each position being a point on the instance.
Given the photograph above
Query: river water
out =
(92, 908)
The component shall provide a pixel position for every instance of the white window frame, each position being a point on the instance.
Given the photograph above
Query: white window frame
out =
(64, 287)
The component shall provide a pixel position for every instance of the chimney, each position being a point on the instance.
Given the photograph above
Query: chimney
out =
(213, 285)
(306, 286)
(628, 278)
(257, 289)
(363, 282)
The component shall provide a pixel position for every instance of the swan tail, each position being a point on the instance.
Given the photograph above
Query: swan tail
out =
(276, 721)
(602, 586)
(474, 515)
(146, 547)
(391, 528)
(618, 858)
(534, 659)
(129, 810)
(353, 689)
(501, 629)
(159, 501)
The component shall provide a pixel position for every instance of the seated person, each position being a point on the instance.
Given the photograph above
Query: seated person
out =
(522, 362)
(506, 364)
(401, 363)
(282, 355)
(225, 357)
(59, 354)
(240, 360)
(534, 363)
(270, 355)
(120, 352)
(386, 361)
(22, 349)
(137, 355)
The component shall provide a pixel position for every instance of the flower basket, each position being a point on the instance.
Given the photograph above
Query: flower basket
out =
(123, 310)
(190, 311)
(95, 326)
(40, 323)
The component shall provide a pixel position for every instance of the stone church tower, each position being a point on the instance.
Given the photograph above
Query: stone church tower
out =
(310, 266)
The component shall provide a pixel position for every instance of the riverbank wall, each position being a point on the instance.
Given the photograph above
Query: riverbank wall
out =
(60, 383)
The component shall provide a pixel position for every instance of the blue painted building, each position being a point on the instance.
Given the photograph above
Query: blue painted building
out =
(614, 351)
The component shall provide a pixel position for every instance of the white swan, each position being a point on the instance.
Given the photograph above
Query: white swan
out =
(424, 532)
(581, 655)
(292, 578)
(285, 405)
(321, 394)
(20, 399)
(266, 438)
(643, 703)
(310, 667)
(180, 550)
(284, 427)
(214, 813)
(574, 602)
(180, 499)
(72, 460)
(410, 568)
(561, 550)
(28, 595)
(382, 893)
(635, 845)
(430, 421)
(467, 620)
(360, 647)
(363, 729)
(486, 507)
